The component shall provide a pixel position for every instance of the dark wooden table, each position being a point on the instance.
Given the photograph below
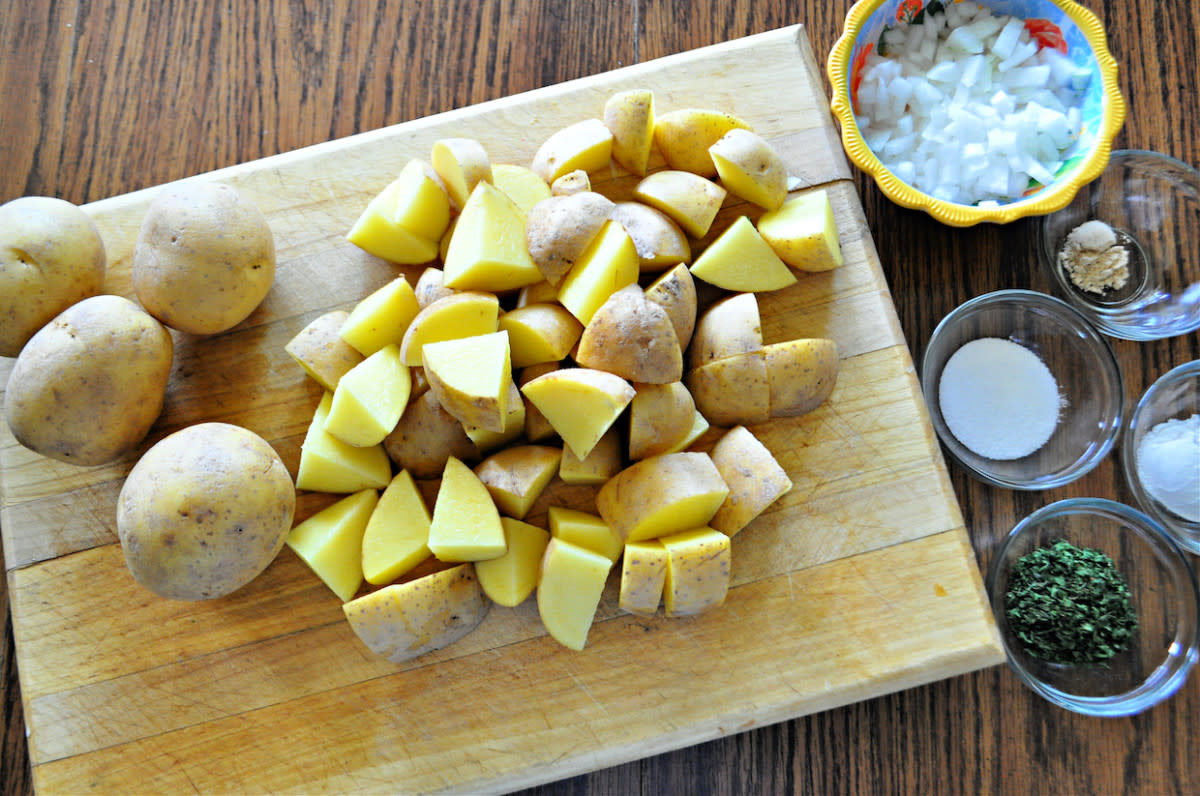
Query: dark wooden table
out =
(101, 98)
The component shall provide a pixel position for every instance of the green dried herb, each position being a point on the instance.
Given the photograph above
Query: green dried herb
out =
(1070, 605)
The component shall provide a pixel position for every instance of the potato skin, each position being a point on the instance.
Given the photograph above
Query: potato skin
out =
(204, 258)
(51, 256)
(204, 512)
(88, 386)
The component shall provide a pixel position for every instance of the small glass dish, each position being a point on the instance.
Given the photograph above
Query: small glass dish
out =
(1081, 361)
(1174, 396)
(1152, 203)
(1163, 592)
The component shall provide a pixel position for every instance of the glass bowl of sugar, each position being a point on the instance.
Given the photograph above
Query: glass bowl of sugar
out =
(1160, 453)
(1022, 390)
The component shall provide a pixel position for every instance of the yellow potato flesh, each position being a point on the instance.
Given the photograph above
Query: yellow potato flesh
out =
(329, 465)
(750, 168)
(377, 232)
(687, 199)
(602, 462)
(321, 351)
(584, 145)
(453, 317)
(629, 116)
(462, 163)
(515, 477)
(511, 578)
(330, 542)
(381, 318)
(466, 525)
(580, 403)
(755, 479)
(422, 206)
(698, 567)
(369, 399)
(520, 184)
(607, 265)
(540, 333)
(568, 592)
(803, 232)
(662, 495)
(740, 260)
(487, 250)
(396, 538)
(585, 530)
(684, 136)
(643, 575)
(471, 378)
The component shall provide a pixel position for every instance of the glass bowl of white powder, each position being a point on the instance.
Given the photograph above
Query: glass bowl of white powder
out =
(1126, 249)
(1022, 390)
(1161, 453)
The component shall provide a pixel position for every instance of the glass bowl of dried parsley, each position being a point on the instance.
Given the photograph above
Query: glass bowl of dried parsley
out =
(1097, 606)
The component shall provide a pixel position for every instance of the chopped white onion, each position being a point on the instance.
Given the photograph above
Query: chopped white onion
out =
(966, 107)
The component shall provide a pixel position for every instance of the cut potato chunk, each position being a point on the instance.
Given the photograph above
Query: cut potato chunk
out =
(471, 378)
(699, 426)
(660, 416)
(520, 184)
(381, 318)
(689, 200)
(515, 477)
(675, 292)
(329, 465)
(487, 250)
(602, 462)
(430, 287)
(422, 206)
(514, 424)
(741, 261)
(321, 351)
(540, 333)
(466, 525)
(330, 542)
(370, 398)
(462, 315)
(803, 232)
(629, 116)
(632, 337)
(584, 145)
(569, 591)
(755, 479)
(572, 182)
(406, 620)
(732, 391)
(426, 437)
(586, 530)
(801, 374)
(511, 578)
(377, 232)
(543, 292)
(685, 135)
(698, 568)
(561, 228)
(643, 575)
(662, 495)
(537, 427)
(659, 241)
(608, 264)
(750, 168)
(580, 403)
(396, 538)
(729, 327)
(462, 163)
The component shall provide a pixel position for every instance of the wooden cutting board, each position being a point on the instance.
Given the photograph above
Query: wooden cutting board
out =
(861, 581)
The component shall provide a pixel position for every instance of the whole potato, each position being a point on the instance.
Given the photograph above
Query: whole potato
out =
(204, 258)
(87, 387)
(51, 256)
(204, 512)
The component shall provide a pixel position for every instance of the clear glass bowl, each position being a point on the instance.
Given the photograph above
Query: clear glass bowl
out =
(1152, 201)
(1175, 395)
(1081, 361)
(1162, 589)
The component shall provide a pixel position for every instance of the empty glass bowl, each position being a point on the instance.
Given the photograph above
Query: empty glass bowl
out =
(1175, 396)
(1163, 593)
(1077, 356)
(1152, 202)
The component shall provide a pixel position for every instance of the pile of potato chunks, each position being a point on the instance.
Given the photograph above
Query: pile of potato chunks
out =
(558, 314)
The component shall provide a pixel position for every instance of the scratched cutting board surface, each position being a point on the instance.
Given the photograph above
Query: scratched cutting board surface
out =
(859, 582)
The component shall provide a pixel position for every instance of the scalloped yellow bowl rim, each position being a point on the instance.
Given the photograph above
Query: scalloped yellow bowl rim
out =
(1052, 197)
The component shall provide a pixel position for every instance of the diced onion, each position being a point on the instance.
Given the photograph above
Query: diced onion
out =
(966, 107)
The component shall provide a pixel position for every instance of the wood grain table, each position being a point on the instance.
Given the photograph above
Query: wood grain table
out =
(102, 98)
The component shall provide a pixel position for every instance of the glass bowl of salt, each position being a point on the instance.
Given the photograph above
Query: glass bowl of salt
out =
(1022, 390)
(1160, 453)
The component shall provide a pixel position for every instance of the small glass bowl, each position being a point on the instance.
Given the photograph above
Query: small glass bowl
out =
(1175, 395)
(1152, 202)
(1163, 592)
(1081, 361)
